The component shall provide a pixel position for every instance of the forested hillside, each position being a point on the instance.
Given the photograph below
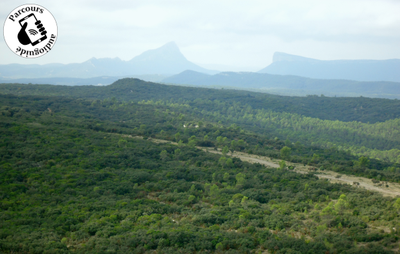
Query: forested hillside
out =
(364, 126)
(72, 181)
(366, 110)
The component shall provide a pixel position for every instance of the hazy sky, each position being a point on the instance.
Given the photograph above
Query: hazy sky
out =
(241, 34)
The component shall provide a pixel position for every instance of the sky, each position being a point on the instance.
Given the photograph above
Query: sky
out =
(220, 34)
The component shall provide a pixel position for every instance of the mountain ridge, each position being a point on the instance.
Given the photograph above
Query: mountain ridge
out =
(165, 60)
(358, 70)
(288, 84)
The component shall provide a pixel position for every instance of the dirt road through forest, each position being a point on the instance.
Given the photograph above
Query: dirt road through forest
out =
(392, 190)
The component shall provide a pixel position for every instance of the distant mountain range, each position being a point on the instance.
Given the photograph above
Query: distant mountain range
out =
(96, 81)
(360, 70)
(287, 85)
(166, 60)
(287, 75)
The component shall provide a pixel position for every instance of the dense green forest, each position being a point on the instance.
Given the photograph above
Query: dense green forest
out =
(379, 140)
(73, 181)
(361, 109)
(167, 122)
(363, 126)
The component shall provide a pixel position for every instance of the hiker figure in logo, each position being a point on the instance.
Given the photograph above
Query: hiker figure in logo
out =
(32, 30)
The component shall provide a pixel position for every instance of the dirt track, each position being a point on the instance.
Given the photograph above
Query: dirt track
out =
(393, 190)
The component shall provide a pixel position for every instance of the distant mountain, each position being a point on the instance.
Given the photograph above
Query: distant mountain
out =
(190, 78)
(287, 85)
(360, 70)
(91, 68)
(166, 60)
(96, 81)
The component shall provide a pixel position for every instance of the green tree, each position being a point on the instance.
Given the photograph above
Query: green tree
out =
(177, 137)
(192, 141)
(315, 158)
(285, 152)
(240, 179)
(321, 229)
(192, 189)
(282, 165)
(191, 198)
(207, 186)
(298, 145)
(328, 209)
(341, 204)
(214, 177)
(225, 150)
(214, 190)
(244, 200)
(219, 140)
(226, 177)
(233, 146)
(229, 162)
(241, 144)
(397, 204)
(177, 153)
(222, 161)
(163, 155)
(219, 246)
(363, 161)
(122, 143)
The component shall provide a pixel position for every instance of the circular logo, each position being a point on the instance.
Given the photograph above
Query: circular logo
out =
(30, 31)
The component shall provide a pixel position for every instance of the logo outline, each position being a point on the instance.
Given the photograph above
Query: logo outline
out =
(30, 31)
